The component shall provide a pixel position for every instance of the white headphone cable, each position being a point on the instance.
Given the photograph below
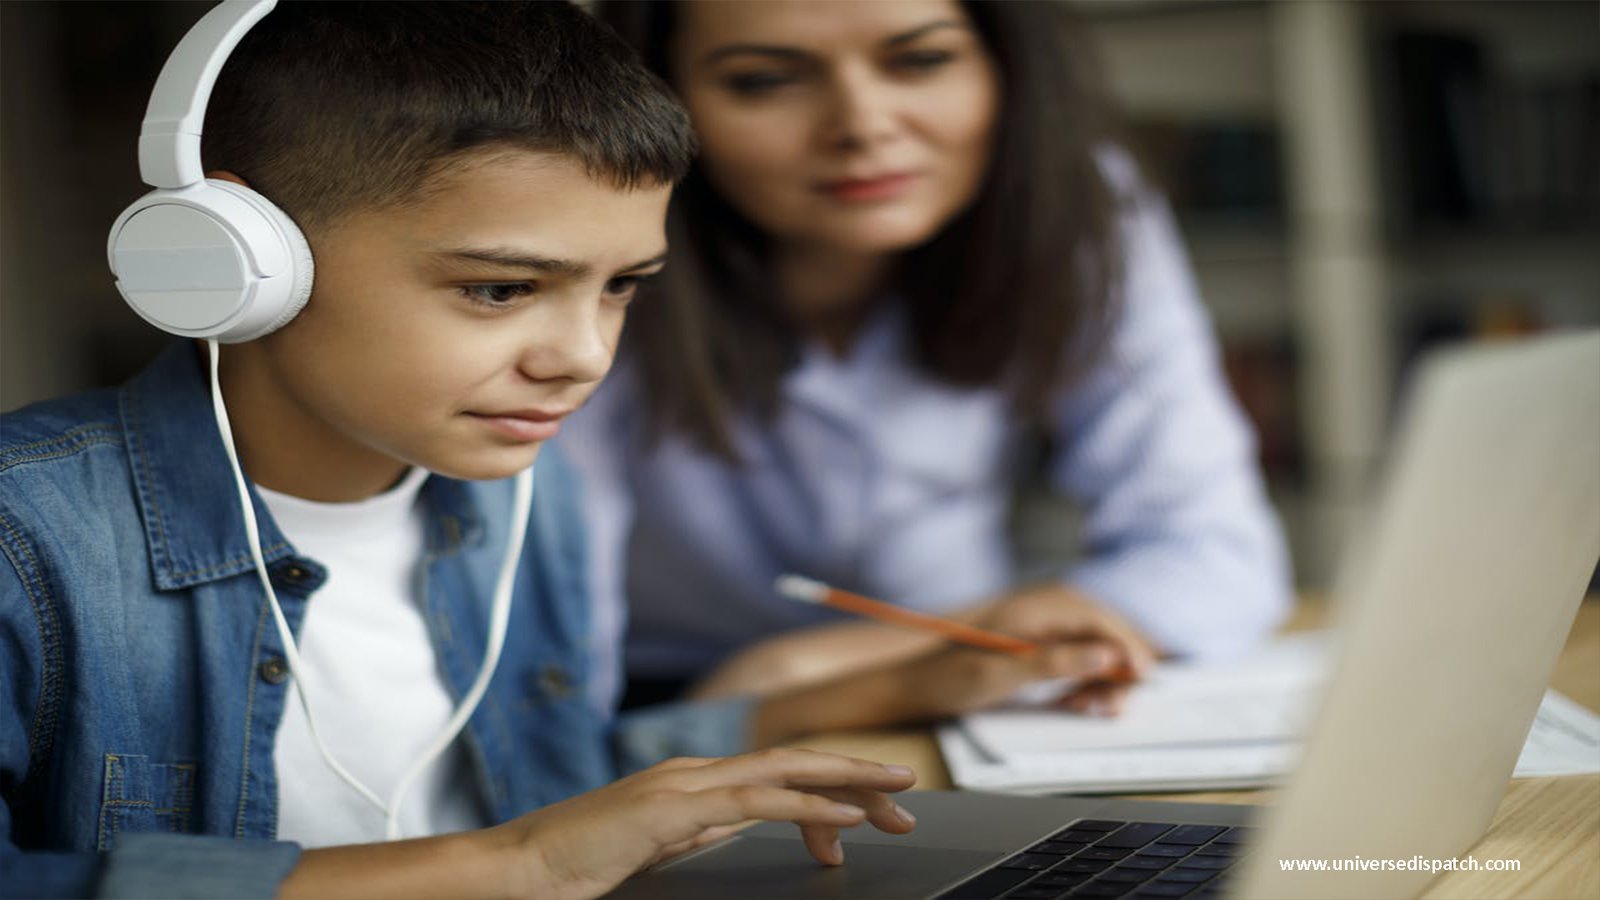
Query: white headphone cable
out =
(499, 618)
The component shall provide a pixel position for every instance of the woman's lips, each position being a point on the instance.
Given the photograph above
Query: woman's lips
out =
(523, 426)
(862, 190)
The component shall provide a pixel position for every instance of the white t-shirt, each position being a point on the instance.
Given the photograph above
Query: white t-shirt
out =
(376, 690)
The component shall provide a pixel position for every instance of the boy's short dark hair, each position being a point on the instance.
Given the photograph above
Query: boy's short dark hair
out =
(327, 107)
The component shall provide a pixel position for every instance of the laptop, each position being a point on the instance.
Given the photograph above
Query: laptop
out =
(1452, 608)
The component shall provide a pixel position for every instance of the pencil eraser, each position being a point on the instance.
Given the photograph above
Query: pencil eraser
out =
(798, 587)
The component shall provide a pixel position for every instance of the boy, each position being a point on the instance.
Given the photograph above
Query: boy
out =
(482, 187)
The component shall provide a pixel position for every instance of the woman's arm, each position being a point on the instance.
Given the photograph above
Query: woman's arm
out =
(1179, 536)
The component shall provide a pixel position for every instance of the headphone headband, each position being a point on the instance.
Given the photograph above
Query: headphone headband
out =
(169, 140)
(195, 257)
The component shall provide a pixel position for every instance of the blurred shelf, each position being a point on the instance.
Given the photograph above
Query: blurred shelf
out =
(1335, 265)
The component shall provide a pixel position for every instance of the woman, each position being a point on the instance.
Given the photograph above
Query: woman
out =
(910, 248)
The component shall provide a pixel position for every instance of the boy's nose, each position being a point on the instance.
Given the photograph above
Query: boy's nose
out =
(573, 347)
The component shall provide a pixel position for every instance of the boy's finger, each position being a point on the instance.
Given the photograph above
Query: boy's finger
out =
(705, 837)
(882, 812)
(730, 805)
(667, 766)
(823, 842)
(793, 767)
(682, 762)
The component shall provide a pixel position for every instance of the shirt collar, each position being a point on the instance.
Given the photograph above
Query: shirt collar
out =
(185, 488)
(834, 385)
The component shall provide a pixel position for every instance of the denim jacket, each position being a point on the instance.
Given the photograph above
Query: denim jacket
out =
(142, 680)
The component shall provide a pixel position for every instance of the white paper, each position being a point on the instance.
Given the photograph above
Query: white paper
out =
(1263, 697)
(1216, 727)
(1564, 740)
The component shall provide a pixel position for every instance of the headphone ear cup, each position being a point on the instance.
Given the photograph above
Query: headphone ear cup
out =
(297, 286)
(211, 260)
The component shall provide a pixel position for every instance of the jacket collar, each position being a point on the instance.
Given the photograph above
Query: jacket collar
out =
(186, 493)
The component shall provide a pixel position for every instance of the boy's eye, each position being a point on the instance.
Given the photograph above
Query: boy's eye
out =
(497, 294)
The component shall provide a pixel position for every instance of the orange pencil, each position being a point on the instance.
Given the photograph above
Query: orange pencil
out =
(806, 590)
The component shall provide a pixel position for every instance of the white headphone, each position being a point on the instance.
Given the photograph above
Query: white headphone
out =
(210, 259)
(199, 257)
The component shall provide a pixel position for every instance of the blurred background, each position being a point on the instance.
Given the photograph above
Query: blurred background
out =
(1357, 182)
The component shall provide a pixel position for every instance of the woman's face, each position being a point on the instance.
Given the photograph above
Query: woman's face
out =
(856, 126)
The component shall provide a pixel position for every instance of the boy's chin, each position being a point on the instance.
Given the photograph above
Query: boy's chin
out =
(486, 467)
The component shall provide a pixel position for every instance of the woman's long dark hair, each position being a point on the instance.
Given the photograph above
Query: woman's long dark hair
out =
(1018, 291)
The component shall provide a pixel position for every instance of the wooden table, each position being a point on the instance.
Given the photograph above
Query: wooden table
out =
(1552, 825)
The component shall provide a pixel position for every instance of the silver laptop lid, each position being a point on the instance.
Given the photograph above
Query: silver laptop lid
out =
(1452, 610)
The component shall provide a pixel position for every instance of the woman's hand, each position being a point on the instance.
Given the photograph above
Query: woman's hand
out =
(812, 655)
(1082, 642)
(1055, 614)
(587, 845)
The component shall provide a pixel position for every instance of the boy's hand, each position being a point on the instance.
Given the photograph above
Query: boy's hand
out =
(587, 845)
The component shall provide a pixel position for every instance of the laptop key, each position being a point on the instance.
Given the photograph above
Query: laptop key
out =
(1098, 888)
(1192, 834)
(1057, 848)
(1206, 862)
(1033, 862)
(1034, 893)
(1082, 865)
(1172, 850)
(1134, 835)
(1098, 824)
(1148, 863)
(1163, 890)
(1099, 852)
(1185, 876)
(987, 885)
(1127, 876)
(1078, 835)
(1058, 879)
(1238, 834)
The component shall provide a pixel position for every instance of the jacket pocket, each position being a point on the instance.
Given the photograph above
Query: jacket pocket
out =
(139, 795)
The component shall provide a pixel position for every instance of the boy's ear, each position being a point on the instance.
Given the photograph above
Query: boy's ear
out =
(225, 175)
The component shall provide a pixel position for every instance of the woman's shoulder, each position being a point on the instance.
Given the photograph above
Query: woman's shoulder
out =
(1120, 169)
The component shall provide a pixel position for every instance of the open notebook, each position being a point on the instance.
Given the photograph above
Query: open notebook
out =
(1202, 727)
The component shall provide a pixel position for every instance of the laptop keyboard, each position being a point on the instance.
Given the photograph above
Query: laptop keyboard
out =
(1108, 858)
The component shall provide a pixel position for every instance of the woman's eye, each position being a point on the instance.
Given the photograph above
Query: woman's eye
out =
(497, 294)
(754, 84)
(921, 60)
(624, 287)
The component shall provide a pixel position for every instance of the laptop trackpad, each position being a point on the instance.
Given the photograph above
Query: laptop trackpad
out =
(780, 869)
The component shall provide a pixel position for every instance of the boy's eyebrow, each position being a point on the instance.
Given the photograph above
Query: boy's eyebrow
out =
(547, 265)
(792, 53)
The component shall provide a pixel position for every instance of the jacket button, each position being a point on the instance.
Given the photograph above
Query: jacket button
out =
(274, 670)
(294, 575)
